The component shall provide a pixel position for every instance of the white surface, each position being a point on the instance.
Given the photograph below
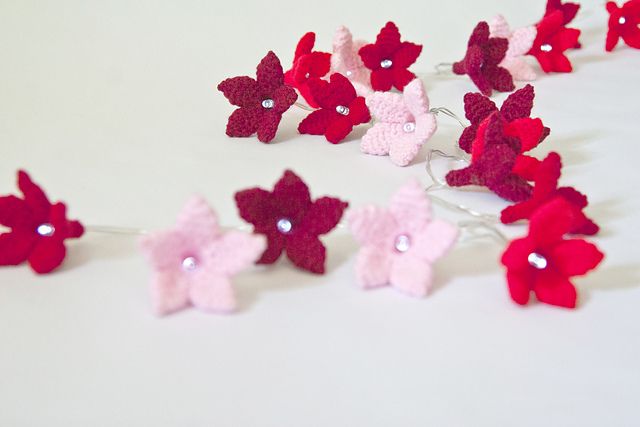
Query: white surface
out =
(112, 106)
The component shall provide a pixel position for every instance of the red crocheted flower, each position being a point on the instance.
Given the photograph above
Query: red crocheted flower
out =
(291, 221)
(624, 22)
(544, 261)
(552, 40)
(389, 59)
(38, 228)
(340, 109)
(307, 65)
(484, 53)
(569, 10)
(262, 101)
(545, 189)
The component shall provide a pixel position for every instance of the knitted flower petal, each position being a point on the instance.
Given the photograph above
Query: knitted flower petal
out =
(520, 42)
(213, 294)
(373, 267)
(346, 61)
(306, 251)
(388, 107)
(411, 276)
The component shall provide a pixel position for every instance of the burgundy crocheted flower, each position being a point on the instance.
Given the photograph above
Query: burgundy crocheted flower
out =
(307, 65)
(484, 53)
(291, 221)
(552, 40)
(262, 101)
(624, 22)
(38, 228)
(569, 10)
(340, 109)
(389, 59)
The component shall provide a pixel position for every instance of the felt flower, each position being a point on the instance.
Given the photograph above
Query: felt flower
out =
(545, 189)
(624, 22)
(340, 109)
(569, 10)
(520, 42)
(38, 228)
(291, 221)
(193, 262)
(552, 40)
(262, 101)
(403, 123)
(346, 61)
(482, 61)
(544, 261)
(389, 59)
(400, 243)
(307, 65)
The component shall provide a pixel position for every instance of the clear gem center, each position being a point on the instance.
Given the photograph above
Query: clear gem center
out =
(46, 230)
(402, 243)
(537, 261)
(622, 20)
(341, 109)
(284, 225)
(386, 63)
(189, 263)
(546, 47)
(409, 127)
(268, 103)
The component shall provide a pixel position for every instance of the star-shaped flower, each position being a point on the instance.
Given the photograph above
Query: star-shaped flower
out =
(520, 42)
(482, 61)
(389, 59)
(340, 109)
(403, 123)
(624, 22)
(545, 189)
(193, 262)
(291, 221)
(400, 243)
(262, 101)
(307, 65)
(552, 40)
(569, 10)
(346, 61)
(544, 260)
(38, 228)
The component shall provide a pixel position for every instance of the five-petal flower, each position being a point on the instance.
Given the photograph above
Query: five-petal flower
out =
(569, 10)
(346, 61)
(552, 40)
(307, 65)
(624, 22)
(520, 42)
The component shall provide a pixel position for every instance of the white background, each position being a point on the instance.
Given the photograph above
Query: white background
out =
(112, 107)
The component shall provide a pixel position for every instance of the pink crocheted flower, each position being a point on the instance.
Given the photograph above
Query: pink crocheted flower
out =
(400, 243)
(193, 262)
(403, 123)
(345, 60)
(520, 42)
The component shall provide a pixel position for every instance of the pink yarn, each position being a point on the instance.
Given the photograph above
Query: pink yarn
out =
(384, 233)
(346, 61)
(404, 123)
(520, 43)
(193, 262)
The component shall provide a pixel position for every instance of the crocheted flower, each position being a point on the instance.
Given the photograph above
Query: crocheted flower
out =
(291, 221)
(193, 262)
(520, 42)
(403, 123)
(340, 109)
(624, 22)
(389, 59)
(552, 40)
(262, 101)
(481, 63)
(545, 189)
(346, 61)
(569, 10)
(544, 261)
(307, 65)
(400, 243)
(38, 228)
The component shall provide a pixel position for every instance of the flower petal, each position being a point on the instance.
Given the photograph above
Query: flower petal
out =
(317, 122)
(478, 107)
(519, 286)
(515, 257)
(406, 55)
(434, 241)
(552, 288)
(323, 215)
(210, 291)
(47, 254)
(371, 56)
(241, 91)
(15, 213)
(268, 126)
(405, 147)
(402, 77)
(551, 222)
(388, 107)
(169, 292)
(283, 97)
(338, 130)
(388, 40)
(378, 139)
(34, 197)
(292, 196)
(373, 267)
(576, 257)
(382, 79)
(244, 122)
(415, 98)
(256, 206)
(269, 74)
(198, 222)
(15, 247)
(275, 245)
(411, 275)
(306, 252)
(411, 207)
(372, 225)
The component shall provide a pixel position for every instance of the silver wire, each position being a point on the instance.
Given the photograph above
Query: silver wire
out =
(438, 183)
(303, 106)
(106, 229)
(447, 65)
(474, 225)
(449, 113)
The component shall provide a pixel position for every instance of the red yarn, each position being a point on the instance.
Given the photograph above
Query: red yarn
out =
(557, 259)
(481, 61)
(307, 65)
(341, 109)
(26, 217)
(389, 59)
(552, 40)
(624, 22)
(290, 204)
(249, 94)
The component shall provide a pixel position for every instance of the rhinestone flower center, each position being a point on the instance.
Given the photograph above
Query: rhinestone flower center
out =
(46, 230)
(402, 243)
(341, 109)
(546, 47)
(268, 103)
(189, 263)
(284, 225)
(622, 20)
(537, 261)
(386, 63)
(409, 127)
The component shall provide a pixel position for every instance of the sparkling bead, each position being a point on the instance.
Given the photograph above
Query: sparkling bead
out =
(268, 103)
(622, 20)
(284, 225)
(386, 63)
(537, 261)
(341, 109)
(349, 73)
(403, 243)
(409, 127)
(546, 47)
(189, 264)
(46, 230)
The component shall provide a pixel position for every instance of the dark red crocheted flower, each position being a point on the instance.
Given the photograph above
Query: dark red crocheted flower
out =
(340, 109)
(307, 64)
(545, 189)
(291, 221)
(389, 59)
(484, 53)
(552, 40)
(262, 101)
(624, 22)
(569, 10)
(38, 228)
(544, 261)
